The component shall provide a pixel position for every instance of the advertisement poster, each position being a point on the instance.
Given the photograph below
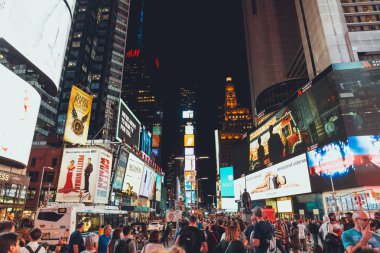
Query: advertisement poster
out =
(39, 31)
(120, 170)
(312, 118)
(190, 180)
(229, 204)
(19, 107)
(128, 126)
(146, 142)
(148, 183)
(158, 187)
(189, 140)
(283, 179)
(227, 181)
(133, 175)
(85, 174)
(190, 198)
(189, 162)
(78, 117)
(155, 141)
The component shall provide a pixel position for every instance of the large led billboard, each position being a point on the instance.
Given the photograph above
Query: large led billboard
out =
(133, 175)
(190, 163)
(120, 170)
(190, 180)
(283, 179)
(78, 117)
(189, 140)
(146, 142)
(148, 183)
(128, 126)
(85, 176)
(158, 187)
(38, 30)
(226, 175)
(314, 117)
(189, 151)
(19, 107)
(188, 114)
(189, 198)
(189, 129)
(155, 141)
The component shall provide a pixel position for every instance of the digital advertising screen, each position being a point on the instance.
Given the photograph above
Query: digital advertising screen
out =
(358, 88)
(158, 187)
(85, 170)
(78, 117)
(187, 114)
(189, 129)
(189, 151)
(155, 141)
(148, 183)
(128, 126)
(312, 118)
(120, 170)
(157, 130)
(19, 108)
(190, 180)
(146, 142)
(39, 31)
(133, 175)
(284, 206)
(283, 179)
(229, 204)
(189, 140)
(190, 198)
(190, 163)
(226, 175)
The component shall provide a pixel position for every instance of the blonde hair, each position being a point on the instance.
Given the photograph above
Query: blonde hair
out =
(231, 231)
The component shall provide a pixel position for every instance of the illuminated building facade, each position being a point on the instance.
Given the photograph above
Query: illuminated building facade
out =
(237, 121)
(94, 61)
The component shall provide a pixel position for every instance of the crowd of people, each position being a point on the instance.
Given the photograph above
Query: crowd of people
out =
(353, 233)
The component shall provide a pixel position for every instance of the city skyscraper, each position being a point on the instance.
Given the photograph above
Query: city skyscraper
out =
(273, 42)
(94, 62)
(338, 31)
(237, 121)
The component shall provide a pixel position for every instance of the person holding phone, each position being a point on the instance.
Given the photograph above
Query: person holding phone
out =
(360, 236)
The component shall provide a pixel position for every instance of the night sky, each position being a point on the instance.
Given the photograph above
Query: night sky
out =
(199, 43)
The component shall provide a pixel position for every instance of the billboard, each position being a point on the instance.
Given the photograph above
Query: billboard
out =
(146, 141)
(190, 180)
(189, 151)
(128, 126)
(189, 140)
(85, 174)
(157, 130)
(120, 170)
(189, 198)
(158, 187)
(189, 162)
(314, 117)
(133, 175)
(38, 31)
(283, 179)
(226, 175)
(78, 117)
(19, 107)
(148, 183)
(229, 204)
(189, 129)
(187, 114)
(155, 141)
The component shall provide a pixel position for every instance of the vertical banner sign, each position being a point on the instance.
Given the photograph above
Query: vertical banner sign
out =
(78, 117)
(120, 170)
(128, 126)
(85, 176)
(227, 182)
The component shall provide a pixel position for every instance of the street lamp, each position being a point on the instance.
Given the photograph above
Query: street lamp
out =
(42, 176)
(213, 199)
(196, 185)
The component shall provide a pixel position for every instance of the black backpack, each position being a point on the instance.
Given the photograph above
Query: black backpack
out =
(30, 249)
(122, 246)
(189, 240)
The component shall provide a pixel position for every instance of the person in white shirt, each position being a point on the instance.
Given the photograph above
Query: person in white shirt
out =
(33, 246)
(302, 235)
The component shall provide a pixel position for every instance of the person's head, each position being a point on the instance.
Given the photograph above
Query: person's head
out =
(295, 225)
(281, 180)
(58, 248)
(80, 227)
(91, 241)
(332, 216)
(72, 162)
(271, 129)
(116, 234)
(89, 160)
(154, 236)
(127, 230)
(107, 230)
(35, 234)
(233, 232)
(349, 217)
(361, 219)
(192, 220)
(257, 212)
(7, 226)
(377, 216)
(343, 221)
(9, 243)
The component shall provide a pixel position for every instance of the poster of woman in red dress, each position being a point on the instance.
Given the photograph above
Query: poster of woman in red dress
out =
(68, 187)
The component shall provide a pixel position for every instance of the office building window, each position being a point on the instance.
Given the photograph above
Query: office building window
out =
(33, 162)
(75, 44)
(54, 162)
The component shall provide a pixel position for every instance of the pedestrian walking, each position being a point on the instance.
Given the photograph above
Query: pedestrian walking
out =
(104, 239)
(263, 236)
(91, 243)
(302, 235)
(125, 244)
(33, 246)
(153, 243)
(294, 237)
(115, 236)
(76, 243)
(191, 238)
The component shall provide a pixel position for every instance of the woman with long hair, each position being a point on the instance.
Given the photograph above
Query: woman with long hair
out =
(232, 233)
(153, 243)
(115, 236)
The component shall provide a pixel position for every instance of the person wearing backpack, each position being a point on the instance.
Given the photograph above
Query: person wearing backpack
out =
(263, 239)
(125, 244)
(33, 246)
(191, 238)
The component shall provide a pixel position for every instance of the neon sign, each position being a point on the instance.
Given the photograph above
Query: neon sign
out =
(132, 53)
